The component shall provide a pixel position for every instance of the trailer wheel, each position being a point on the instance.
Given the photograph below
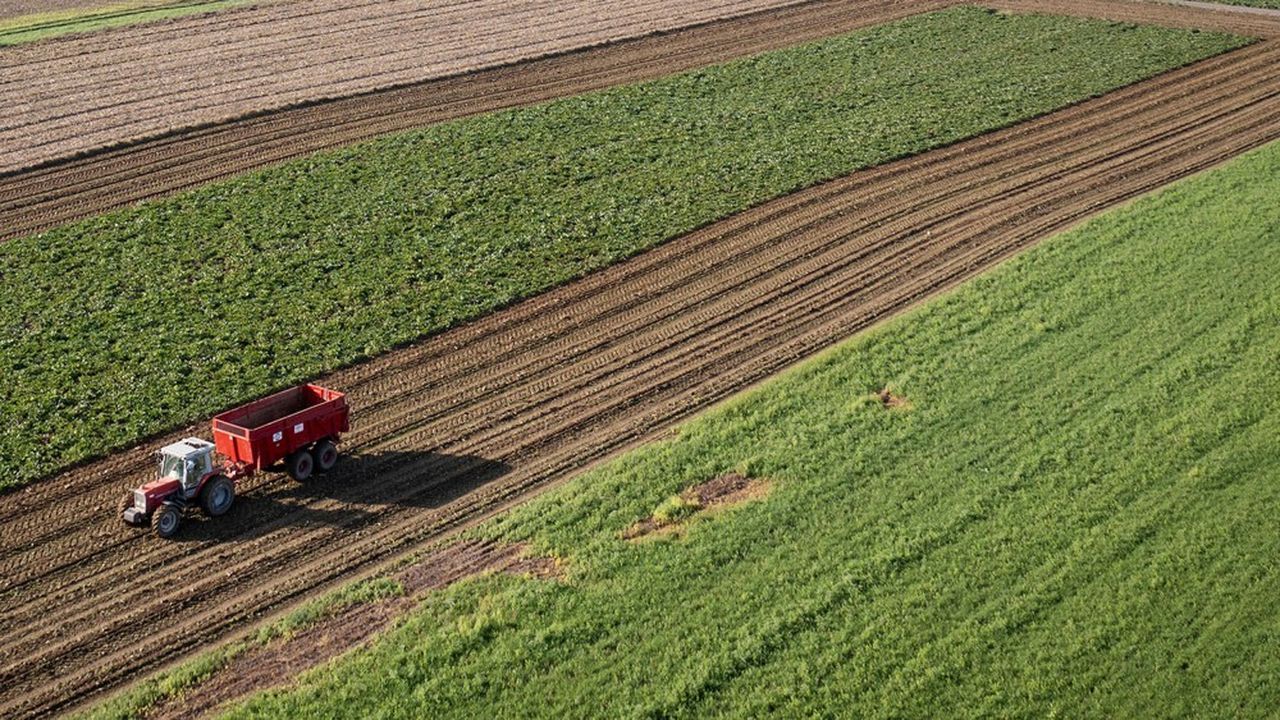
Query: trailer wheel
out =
(165, 521)
(325, 454)
(300, 465)
(217, 495)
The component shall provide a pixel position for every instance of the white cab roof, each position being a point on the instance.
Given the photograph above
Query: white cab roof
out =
(187, 446)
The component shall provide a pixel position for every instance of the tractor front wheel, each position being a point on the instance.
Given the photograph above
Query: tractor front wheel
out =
(165, 521)
(126, 503)
(300, 465)
(217, 495)
(325, 454)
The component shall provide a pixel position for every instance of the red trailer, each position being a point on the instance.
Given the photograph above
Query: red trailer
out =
(300, 426)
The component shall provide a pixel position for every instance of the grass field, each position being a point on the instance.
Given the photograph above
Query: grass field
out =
(1074, 515)
(42, 26)
(144, 319)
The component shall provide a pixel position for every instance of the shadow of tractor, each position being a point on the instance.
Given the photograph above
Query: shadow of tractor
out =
(359, 490)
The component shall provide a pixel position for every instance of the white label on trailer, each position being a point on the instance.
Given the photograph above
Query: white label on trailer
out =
(277, 437)
(297, 429)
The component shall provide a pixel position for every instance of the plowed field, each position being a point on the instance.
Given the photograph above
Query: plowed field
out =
(471, 420)
(41, 198)
(74, 95)
(52, 188)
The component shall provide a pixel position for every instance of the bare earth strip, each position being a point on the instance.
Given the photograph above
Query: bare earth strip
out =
(70, 189)
(472, 420)
(42, 198)
(70, 96)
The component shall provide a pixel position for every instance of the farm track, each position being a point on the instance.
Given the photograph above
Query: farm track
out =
(476, 418)
(46, 197)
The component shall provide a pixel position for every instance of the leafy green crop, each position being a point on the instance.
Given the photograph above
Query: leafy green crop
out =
(1253, 3)
(1075, 516)
(145, 319)
(41, 26)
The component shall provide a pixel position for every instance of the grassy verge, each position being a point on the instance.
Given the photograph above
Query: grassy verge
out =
(145, 319)
(1073, 516)
(42, 26)
(136, 701)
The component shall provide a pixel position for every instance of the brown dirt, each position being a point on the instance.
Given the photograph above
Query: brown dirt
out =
(890, 401)
(467, 558)
(280, 661)
(41, 198)
(75, 94)
(468, 422)
(719, 492)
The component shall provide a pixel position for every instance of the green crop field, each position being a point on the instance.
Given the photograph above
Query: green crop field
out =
(42, 26)
(1253, 3)
(1073, 516)
(145, 319)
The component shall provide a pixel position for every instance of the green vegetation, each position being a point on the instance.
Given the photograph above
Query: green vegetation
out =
(675, 509)
(134, 702)
(122, 326)
(42, 26)
(1253, 3)
(1075, 517)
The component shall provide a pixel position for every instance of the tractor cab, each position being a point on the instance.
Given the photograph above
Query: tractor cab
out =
(186, 476)
(189, 462)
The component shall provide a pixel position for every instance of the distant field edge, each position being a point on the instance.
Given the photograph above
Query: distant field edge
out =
(94, 17)
(61, 191)
(57, 192)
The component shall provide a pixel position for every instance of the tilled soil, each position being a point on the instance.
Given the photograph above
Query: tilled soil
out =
(41, 198)
(72, 95)
(470, 421)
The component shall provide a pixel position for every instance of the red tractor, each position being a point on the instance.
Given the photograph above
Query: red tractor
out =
(300, 426)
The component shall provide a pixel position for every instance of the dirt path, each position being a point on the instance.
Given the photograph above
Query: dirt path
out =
(477, 418)
(279, 661)
(39, 199)
(73, 95)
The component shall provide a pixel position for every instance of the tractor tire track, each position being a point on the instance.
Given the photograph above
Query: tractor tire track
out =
(564, 380)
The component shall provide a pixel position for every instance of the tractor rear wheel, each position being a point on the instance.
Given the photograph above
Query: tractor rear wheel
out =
(325, 454)
(217, 495)
(300, 465)
(165, 521)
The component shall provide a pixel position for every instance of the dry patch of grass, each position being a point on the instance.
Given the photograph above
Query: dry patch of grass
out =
(674, 514)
